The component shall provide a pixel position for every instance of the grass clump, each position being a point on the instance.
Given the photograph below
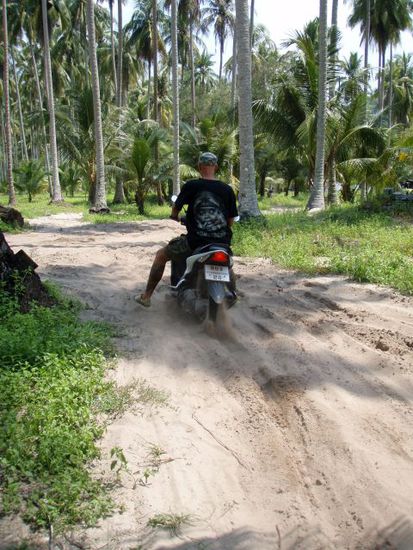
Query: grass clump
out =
(370, 247)
(171, 522)
(51, 376)
(118, 399)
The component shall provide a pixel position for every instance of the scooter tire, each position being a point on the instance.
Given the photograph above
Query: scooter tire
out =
(213, 308)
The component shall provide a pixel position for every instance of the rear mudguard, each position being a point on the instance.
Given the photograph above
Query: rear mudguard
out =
(217, 291)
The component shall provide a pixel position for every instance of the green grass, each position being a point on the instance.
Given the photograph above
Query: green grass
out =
(368, 247)
(129, 212)
(40, 205)
(123, 212)
(55, 403)
(119, 213)
(280, 200)
(51, 380)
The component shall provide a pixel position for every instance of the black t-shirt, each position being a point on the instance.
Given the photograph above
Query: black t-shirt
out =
(210, 204)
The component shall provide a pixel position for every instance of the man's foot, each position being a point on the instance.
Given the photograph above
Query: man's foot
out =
(145, 302)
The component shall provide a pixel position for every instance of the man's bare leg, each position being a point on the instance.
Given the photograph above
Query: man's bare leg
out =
(155, 275)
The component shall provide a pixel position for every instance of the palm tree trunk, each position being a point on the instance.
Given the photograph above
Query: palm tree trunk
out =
(155, 59)
(233, 90)
(252, 9)
(155, 92)
(221, 57)
(332, 196)
(379, 80)
(234, 72)
(247, 192)
(334, 33)
(56, 190)
(112, 45)
(119, 86)
(40, 99)
(366, 51)
(99, 202)
(19, 108)
(175, 95)
(366, 79)
(7, 121)
(391, 88)
(119, 197)
(381, 91)
(192, 68)
(316, 200)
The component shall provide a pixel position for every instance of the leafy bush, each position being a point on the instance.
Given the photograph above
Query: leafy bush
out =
(51, 380)
(31, 178)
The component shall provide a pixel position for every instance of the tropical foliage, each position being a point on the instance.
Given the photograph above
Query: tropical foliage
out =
(79, 120)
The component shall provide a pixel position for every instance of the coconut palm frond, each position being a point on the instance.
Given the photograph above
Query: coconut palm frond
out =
(187, 172)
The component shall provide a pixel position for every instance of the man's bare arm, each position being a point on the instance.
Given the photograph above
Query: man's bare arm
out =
(174, 213)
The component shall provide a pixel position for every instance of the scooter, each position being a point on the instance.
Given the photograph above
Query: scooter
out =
(204, 284)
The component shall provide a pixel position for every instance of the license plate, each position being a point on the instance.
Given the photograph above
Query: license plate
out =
(216, 273)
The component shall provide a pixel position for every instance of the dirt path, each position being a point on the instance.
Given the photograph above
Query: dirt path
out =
(299, 435)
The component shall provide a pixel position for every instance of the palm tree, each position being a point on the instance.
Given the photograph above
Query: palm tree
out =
(316, 200)
(353, 78)
(139, 168)
(56, 190)
(155, 88)
(189, 17)
(139, 32)
(6, 99)
(19, 106)
(99, 200)
(219, 14)
(382, 21)
(289, 116)
(175, 95)
(31, 177)
(205, 77)
(76, 134)
(112, 44)
(403, 89)
(350, 140)
(28, 17)
(247, 193)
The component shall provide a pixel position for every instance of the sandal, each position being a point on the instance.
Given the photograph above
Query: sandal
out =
(145, 302)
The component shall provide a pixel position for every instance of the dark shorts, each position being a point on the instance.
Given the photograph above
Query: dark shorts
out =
(178, 248)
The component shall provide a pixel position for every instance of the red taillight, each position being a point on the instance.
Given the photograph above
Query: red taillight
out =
(219, 257)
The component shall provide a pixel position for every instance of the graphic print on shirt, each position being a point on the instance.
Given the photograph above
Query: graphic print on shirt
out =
(209, 216)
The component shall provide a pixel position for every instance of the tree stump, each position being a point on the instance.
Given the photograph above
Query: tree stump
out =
(11, 216)
(18, 278)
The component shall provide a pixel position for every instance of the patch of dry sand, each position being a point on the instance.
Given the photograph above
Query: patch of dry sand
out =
(296, 435)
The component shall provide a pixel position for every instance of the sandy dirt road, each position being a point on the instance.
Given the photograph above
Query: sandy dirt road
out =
(297, 434)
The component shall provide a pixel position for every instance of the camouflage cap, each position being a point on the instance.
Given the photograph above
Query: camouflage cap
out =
(208, 158)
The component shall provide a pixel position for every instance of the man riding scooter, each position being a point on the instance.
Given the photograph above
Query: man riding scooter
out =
(210, 215)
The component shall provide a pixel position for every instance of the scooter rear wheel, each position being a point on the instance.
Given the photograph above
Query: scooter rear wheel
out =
(213, 310)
